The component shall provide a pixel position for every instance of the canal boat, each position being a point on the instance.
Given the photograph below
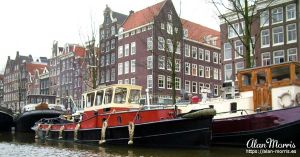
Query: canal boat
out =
(6, 119)
(113, 115)
(36, 108)
(266, 106)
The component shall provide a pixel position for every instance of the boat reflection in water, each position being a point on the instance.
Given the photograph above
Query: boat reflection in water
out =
(113, 115)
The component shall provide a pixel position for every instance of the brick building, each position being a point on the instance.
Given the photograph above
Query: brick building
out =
(275, 31)
(142, 58)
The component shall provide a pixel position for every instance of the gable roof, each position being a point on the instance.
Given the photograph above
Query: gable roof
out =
(199, 32)
(31, 67)
(142, 17)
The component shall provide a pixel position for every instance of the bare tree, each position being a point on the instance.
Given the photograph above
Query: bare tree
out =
(245, 13)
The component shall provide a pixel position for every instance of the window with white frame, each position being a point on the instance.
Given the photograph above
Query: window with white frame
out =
(227, 51)
(107, 46)
(266, 59)
(194, 69)
(126, 81)
(169, 63)
(101, 62)
(265, 38)
(102, 77)
(107, 79)
(169, 82)
(291, 33)
(102, 47)
(278, 56)
(216, 57)
(216, 73)
(107, 59)
(120, 81)
(113, 74)
(177, 65)
(162, 25)
(194, 52)
(177, 83)
(187, 52)
(149, 81)
(278, 37)
(291, 12)
(277, 15)
(169, 28)
(120, 68)
(201, 71)
(126, 50)
(126, 67)
(149, 43)
(207, 55)
(133, 48)
(161, 43)
(239, 49)
(120, 52)
(113, 32)
(132, 66)
(216, 90)
(185, 33)
(132, 81)
(220, 74)
(239, 66)
(187, 68)
(161, 81)
(113, 44)
(194, 87)
(178, 48)
(113, 58)
(201, 87)
(235, 30)
(170, 16)
(149, 62)
(201, 54)
(207, 72)
(161, 62)
(264, 18)
(292, 54)
(170, 45)
(187, 86)
(228, 72)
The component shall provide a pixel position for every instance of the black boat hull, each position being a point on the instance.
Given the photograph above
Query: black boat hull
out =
(180, 132)
(6, 121)
(25, 121)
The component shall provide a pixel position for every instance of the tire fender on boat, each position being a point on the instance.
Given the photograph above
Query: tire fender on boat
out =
(103, 130)
(285, 104)
(61, 131)
(47, 130)
(37, 131)
(76, 132)
(131, 132)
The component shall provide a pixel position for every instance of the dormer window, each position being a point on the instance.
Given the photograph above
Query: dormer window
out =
(185, 33)
(170, 16)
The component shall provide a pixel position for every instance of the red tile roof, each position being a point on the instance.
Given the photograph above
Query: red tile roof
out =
(198, 32)
(142, 17)
(31, 67)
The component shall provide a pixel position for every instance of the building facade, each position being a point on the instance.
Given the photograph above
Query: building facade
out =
(275, 32)
(143, 53)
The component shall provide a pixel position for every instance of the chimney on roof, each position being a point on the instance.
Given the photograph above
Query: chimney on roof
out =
(131, 12)
(8, 57)
(37, 60)
(17, 53)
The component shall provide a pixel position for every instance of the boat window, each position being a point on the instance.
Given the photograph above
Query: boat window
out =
(134, 97)
(246, 79)
(99, 97)
(280, 73)
(261, 77)
(120, 95)
(90, 100)
(297, 72)
(108, 96)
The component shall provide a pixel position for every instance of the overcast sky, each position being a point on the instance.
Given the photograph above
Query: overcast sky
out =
(31, 26)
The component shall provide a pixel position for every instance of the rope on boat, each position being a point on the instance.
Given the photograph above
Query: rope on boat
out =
(103, 130)
(61, 131)
(36, 131)
(76, 132)
(47, 131)
(131, 132)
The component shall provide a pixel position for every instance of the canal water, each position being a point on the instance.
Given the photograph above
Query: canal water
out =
(23, 144)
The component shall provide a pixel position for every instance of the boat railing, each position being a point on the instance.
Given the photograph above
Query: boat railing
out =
(236, 111)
